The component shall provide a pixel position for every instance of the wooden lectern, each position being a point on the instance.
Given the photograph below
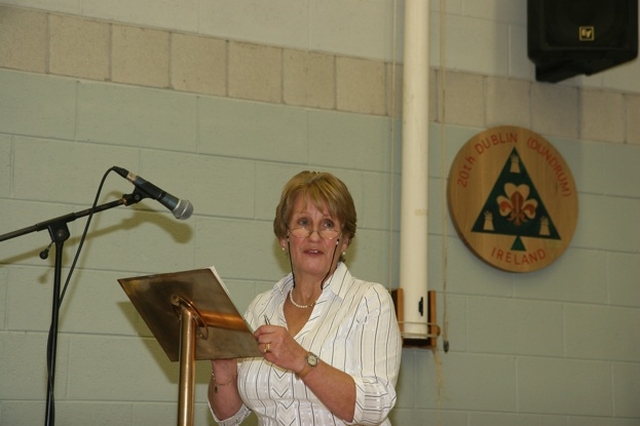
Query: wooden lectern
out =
(193, 318)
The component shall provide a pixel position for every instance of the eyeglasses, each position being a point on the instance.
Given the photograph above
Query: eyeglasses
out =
(327, 234)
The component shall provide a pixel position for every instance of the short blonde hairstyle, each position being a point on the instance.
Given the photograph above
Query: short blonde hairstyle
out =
(322, 189)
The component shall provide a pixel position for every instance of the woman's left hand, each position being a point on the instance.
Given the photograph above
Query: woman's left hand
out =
(279, 347)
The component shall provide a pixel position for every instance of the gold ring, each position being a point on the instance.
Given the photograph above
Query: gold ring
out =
(266, 348)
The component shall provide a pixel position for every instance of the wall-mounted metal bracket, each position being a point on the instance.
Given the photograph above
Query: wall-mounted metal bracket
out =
(430, 341)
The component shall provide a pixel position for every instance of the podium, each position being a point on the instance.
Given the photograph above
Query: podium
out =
(193, 318)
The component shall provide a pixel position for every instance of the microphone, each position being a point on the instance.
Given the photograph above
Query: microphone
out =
(181, 209)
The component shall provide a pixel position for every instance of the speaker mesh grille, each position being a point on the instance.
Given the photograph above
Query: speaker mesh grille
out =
(586, 23)
(570, 37)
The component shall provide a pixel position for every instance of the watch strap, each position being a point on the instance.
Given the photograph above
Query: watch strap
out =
(307, 366)
(306, 370)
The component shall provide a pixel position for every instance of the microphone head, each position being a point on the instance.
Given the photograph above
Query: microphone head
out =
(183, 210)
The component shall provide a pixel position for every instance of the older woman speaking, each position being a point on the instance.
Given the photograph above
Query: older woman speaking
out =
(331, 342)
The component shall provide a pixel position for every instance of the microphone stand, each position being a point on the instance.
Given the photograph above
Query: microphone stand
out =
(59, 232)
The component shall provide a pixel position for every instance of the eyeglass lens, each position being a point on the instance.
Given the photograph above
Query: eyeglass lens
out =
(328, 234)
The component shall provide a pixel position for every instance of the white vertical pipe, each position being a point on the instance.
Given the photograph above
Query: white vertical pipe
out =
(415, 169)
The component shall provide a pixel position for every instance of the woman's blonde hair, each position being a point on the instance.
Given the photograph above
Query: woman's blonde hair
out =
(322, 189)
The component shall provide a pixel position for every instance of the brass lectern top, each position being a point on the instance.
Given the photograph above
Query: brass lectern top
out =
(222, 332)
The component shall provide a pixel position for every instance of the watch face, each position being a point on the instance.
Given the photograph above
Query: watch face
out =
(312, 359)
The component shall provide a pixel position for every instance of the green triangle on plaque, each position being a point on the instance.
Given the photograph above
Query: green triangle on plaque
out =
(514, 206)
(518, 245)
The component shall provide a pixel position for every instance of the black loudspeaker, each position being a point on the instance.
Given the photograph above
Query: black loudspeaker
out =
(571, 37)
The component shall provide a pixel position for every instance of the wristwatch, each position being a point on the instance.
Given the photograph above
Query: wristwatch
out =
(312, 361)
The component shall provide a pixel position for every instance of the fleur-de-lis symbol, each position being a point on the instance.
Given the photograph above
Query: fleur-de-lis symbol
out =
(515, 206)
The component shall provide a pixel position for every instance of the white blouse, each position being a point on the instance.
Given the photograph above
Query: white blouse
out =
(353, 327)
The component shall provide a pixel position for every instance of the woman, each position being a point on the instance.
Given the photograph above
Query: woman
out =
(331, 342)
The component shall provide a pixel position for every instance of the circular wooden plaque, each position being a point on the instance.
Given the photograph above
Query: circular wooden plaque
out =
(513, 199)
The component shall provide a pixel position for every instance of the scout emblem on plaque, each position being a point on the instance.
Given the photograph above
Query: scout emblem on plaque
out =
(513, 199)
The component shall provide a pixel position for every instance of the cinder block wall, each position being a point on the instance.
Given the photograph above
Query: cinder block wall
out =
(221, 106)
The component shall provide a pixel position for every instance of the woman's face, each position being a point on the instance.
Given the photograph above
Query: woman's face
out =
(312, 255)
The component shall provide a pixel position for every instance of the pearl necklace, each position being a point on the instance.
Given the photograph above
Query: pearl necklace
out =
(299, 306)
